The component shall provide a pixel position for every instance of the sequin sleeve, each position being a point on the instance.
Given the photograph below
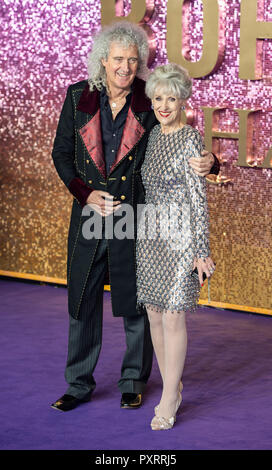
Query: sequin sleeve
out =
(196, 186)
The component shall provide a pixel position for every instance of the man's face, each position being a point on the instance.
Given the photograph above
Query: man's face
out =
(121, 66)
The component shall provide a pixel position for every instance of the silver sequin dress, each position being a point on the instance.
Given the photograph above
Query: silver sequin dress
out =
(173, 225)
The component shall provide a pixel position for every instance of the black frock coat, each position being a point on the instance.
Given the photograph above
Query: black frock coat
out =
(79, 160)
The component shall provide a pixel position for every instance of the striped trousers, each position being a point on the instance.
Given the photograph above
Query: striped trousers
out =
(85, 339)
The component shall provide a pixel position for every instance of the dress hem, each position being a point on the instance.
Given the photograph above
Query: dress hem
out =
(191, 308)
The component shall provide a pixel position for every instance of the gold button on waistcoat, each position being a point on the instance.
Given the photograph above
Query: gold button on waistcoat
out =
(87, 161)
(123, 198)
(90, 181)
(124, 178)
(130, 157)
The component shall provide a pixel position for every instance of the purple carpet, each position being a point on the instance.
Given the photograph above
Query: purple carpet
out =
(227, 381)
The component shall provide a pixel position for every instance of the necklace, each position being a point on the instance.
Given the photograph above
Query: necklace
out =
(114, 103)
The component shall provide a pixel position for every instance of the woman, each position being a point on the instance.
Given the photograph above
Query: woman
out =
(172, 234)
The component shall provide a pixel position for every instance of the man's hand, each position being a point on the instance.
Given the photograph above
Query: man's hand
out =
(102, 202)
(202, 166)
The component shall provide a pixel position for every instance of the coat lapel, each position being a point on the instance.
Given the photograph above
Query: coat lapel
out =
(91, 133)
(91, 136)
(132, 133)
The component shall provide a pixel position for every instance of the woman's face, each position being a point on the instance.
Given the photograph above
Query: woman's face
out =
(167, 108)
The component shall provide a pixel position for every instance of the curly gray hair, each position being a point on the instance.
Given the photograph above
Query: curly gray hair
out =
(172, 78)
(123, 33)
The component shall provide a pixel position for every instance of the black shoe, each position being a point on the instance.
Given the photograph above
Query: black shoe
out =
(131, 400)
(67, 403)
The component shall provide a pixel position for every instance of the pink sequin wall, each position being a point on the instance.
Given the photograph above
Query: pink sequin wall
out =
(44, 47)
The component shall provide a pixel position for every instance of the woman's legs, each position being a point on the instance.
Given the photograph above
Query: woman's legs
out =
(169, 337)
(175, 348)
(156, 331)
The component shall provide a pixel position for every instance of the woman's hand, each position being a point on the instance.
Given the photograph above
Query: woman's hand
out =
(204, 265)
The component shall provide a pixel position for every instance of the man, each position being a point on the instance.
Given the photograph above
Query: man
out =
(98, 152)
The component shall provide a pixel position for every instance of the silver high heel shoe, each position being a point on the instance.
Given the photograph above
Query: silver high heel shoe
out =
(159, 423)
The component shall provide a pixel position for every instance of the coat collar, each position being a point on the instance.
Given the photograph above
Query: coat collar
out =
(90, 100)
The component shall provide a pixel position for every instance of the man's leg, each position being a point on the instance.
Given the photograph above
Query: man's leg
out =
(85, 336)
(137, 362)
(84, 345)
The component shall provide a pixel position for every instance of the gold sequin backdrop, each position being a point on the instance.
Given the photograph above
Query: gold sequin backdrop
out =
(44, 48)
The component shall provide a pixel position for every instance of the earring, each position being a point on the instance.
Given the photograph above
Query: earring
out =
(152, 106)
(182, 108)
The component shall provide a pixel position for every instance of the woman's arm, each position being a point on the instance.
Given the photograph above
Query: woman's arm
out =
(199, 207)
